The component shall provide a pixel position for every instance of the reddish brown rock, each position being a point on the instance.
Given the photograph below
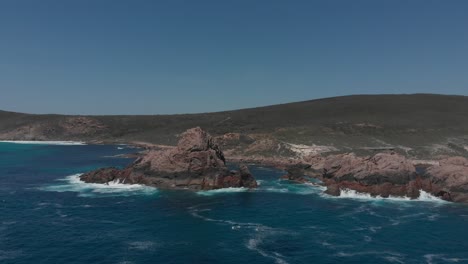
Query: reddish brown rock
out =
(384, 174)
(297, 173)
(390, 174)
(195, 163)
(380, 168)
(450, 178)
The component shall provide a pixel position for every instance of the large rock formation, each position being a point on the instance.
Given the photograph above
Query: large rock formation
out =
(195, 163)
(450, 178)
(383, 174)
(380, 168)
(391, 174)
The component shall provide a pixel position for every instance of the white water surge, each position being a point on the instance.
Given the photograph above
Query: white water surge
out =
(73, 183)
(352, 194)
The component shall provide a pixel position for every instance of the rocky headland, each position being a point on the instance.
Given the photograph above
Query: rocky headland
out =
(385, 174)
(196, 163)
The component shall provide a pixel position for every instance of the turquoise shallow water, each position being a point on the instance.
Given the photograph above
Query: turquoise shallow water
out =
(48, 216)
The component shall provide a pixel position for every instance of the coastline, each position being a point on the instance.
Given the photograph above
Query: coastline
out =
(299, 169)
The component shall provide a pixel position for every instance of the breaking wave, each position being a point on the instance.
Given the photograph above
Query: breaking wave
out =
(352, 194)
(73, 183)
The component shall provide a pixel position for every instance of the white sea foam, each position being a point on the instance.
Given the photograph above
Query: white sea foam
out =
(352, 194)
(196, 213)
(276, 189)
(142, 245)
(73, 183)
(382, 254)
(347, 193)
(425, 196)
(270, 186)
(430, 258)
(253, 244)
(222, 191)
(394, 259)
(301, 189)
(65, 143)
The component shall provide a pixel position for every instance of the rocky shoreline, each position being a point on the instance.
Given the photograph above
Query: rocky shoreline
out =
(384, 174)
(198, 163)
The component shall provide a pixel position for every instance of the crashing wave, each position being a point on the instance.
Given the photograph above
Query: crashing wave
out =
(425, 196)
(73, 183)
(352, 194)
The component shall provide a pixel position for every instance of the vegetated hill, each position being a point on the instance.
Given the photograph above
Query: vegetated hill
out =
(345, 122)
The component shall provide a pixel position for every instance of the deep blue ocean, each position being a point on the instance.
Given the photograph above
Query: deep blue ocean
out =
(48, 216)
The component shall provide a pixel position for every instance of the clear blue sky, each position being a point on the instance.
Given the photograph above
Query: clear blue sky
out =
(158, 57)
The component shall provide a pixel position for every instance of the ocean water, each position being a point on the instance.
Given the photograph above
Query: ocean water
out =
(48, 216)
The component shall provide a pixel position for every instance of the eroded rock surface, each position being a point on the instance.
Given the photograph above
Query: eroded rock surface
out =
(380, 168)
(195, 163)
(383, 174)
(391, 174)
(451, 176)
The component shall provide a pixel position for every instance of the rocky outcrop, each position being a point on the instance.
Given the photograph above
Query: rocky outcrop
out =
(391, 174)
(198, 163)
(451, 178)
(380, 168)
(384, 174)
(297, 173)
(195, 163)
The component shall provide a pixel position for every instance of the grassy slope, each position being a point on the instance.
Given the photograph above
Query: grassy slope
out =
(352, 121)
